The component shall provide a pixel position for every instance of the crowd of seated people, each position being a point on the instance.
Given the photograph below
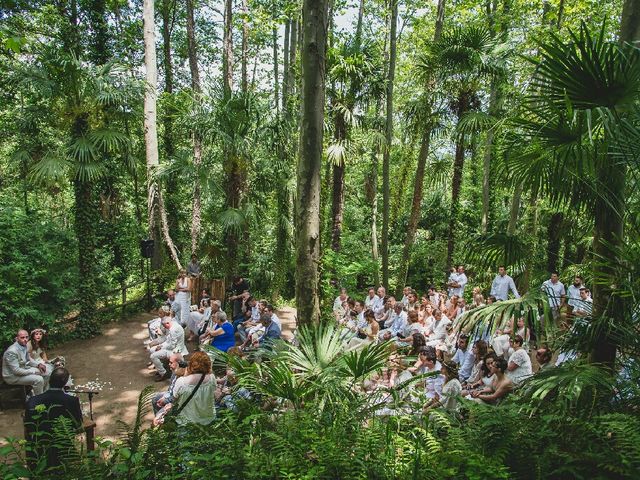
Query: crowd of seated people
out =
(424, 333)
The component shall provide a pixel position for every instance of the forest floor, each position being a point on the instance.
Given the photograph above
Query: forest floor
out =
(116, 362)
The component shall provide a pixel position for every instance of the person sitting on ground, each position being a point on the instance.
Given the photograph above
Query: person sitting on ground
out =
(223, 336)
(205, 328)
(501, 343)
(478, 298)
(451, 389)
(174, 343)
(193, 269)
(162, 399)
(383, 315)
(453, 309)
(205, 298)
(464, 357)
(405, 296)
(365, 335)
(18, 368)
(434, 296)
(228, 394)
(486, 374)
(519, 366)
(543, 357)
(370, 298)
(479, 351)
(413, 325)
(438, 333)
(194, 393)
(412, 301)
(500, 386)
(44, 412)
(254, 307)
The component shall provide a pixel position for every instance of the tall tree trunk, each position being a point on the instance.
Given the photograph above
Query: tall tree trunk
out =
(372, 198)
(456, 181)
(276, 75)
(386, 193)
(285, 65)
(515, 208)
(196, 211)
(494, 105)
(167, 120)
(310, 160)
(338, 185)
(418, 184)
(156, 214)
(293, 48)
(608, 235)
(227, 49)
(244, 85)
(554, 235)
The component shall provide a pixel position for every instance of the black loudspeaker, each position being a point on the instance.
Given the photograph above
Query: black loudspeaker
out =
(146, 248)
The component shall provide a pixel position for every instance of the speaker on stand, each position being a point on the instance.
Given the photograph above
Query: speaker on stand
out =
(146, 251)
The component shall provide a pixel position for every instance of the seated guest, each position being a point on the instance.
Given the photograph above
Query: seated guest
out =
(396, 323)
(174, 343)
(419, 341)
(519, 365)
(47, 410)
(200, 317)
(194, 393)
(338, 310)
(438, 333)
(162, 399)
(500, 386)
(405, 338)
(205, 298)
(270, 309)
(18, 368)
(271, 331)
(479, 351)
(451, 389)
(36, 348)
(222, 335)
(155, 325)
(543, 356)
(464, 357)
(486, 375)
(365, 335)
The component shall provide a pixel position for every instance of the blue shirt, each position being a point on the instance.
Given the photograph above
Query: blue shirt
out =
(466, 360)
(225, 341)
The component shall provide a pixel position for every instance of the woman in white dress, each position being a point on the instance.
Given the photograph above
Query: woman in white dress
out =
(451, 389)
(183, 296)
(365, 335)
(519, 366)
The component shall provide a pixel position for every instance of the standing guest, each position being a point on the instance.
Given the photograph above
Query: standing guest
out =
(174, 343)
(543, 356)
(223, 335)
(238, 287)
(183, 297)
(519, 366)
(18, 368)
(44, 411)
(502, 284)
(457, 282)
(193, 269)
(338, 311)
(573, 292)
(555, 291)
(464, 357)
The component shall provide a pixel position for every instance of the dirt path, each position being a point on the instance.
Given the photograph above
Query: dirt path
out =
(117, 362)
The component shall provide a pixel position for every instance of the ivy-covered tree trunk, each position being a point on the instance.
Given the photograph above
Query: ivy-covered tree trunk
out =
(315, 24)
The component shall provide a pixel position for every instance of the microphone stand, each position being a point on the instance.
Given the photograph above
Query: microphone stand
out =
(90, 393)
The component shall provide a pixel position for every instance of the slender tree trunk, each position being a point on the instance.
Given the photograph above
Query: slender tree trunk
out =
(276, 74)
(227, 49)
(244, 85)
(372, 198)
(386, 193)
(554, 235)
(293, 48)
(338, 185)
(515, 208)
(494, 101)
(630, 21)
(456, 182)
(156, 214)
(309, 161)
(167, 120)
(418, 185)
(196, 211)
(285, 65)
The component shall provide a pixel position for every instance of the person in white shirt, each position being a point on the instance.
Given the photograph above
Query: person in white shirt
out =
(464, 357)
(174, 343)
(377, 304)
(396, 324)
(405, 296)
(584, 306)
(371, 296)
(502, 284)
(438, 332)
(555, 291)
(434, 297)
(338, 310)
(361, 322)
(519, 366)
(573, 292)
(457, 282)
